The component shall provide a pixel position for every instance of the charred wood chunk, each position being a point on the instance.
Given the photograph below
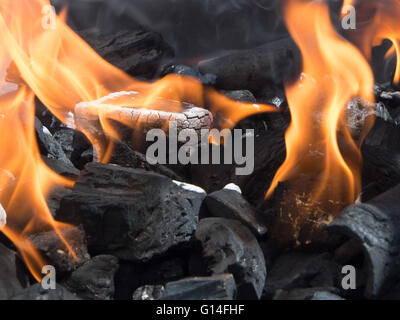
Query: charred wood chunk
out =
(231, 205)
(374, 225)
(217, 287)
(37, 292)
(94, 280)
(229, 247)
(53, 248)
(130, 213)
(12, 273)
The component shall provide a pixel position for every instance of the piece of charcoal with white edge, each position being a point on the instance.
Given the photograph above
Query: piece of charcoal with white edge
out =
(130, 213)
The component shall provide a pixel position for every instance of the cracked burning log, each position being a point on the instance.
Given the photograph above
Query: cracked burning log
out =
(91, 117)
(374, 225)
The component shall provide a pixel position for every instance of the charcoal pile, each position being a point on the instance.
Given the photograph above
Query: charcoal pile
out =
(132, 229)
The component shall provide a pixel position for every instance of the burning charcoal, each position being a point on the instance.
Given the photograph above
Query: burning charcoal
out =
(124, 156)
(56, 252)
(272, 63)
(48, 145)
(358, 111)
(217, 287)
(12, 277)
(54, 198)
(374, 226)
(130, 213)
(308, 294)
(65, 169)
(300, 270)
(94, 280)
(87, 116)
(82, 150)
(206, 79)
(240, 95)
(65, 137)
(228, 246)
(139, 53)
(270, 150)
(37, 292)
(381, 154)
(391, 98)
(231, 205)
(3, 217)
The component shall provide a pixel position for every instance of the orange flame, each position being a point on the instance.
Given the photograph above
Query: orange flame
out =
(334, 71)
(62, 70)
(385, 25)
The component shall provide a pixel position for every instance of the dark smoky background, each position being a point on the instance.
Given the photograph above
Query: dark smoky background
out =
(193, 28)
(201, 29)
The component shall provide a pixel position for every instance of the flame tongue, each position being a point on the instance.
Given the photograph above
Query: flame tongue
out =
(333, 72)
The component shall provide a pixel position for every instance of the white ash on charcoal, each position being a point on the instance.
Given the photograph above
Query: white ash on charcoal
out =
(308, 294)
(49, 146)
(37, 292)
(130, 213)
(233, 187)
(297, 270)
(138, 121)
(54, 250)
(139, 53)
(374, 226)
(231, 205)
(229, 247)
(94, 280)
(13, 276)
(217, 287)
(251, 69)
(3, 217)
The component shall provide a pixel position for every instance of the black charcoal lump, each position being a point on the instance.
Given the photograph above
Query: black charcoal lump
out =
(53, 247)
(229, 247)
(130, 213)
(12, 276)
(95, 279)
(230, 204)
